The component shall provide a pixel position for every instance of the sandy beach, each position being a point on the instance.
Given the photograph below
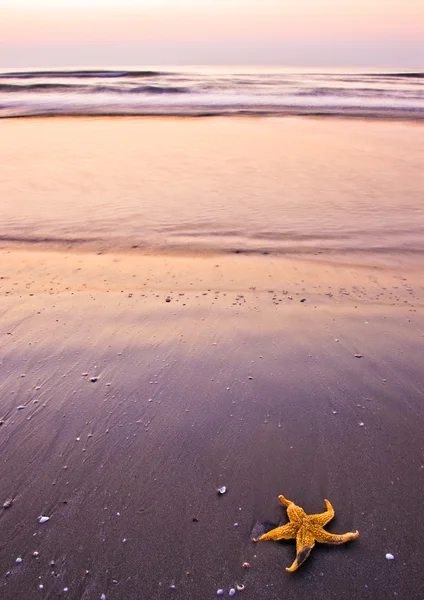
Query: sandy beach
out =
(133, 387)
(135, 382)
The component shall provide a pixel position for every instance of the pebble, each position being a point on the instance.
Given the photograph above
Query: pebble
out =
(8, 503)
(220, 592)
(93, 379)
(35, 554)
(44, 519)
(222, 490)
(18, 560)
(390, 556)
(358, 355)
(232, 592)
(246, 565)
(361, 424)
(21, 407)
(103, 597)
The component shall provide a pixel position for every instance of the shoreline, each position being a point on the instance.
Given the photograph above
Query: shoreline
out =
(403, 116)
(136, 269)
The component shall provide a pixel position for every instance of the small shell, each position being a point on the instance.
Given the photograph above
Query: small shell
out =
(44, 519)
(232, 592)
(220, 592)
(246, 565)
(8, 503)
(18, 560)
(390, 556)
(222, 490)
(240, 587)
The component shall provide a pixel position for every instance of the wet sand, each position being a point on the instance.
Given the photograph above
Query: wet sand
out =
(133, 386)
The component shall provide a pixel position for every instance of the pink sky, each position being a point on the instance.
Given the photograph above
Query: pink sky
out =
(308, 32)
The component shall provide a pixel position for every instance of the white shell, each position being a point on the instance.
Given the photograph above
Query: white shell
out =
(389, 556)
(18, 560)
(220, 592)
(232, 592)
(44, 519)
(240, 587)
(222, 490)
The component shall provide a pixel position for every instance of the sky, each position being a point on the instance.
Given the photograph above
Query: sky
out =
(49, 33)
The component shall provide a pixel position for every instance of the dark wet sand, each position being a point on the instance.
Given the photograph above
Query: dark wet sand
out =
(232, 382)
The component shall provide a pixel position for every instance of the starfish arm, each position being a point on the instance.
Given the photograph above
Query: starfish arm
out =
(330, 538)
(304, 543)
(323, 518)
(286, 532)
(284, 501)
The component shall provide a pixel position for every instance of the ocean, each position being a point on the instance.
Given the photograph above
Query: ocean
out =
(205, 91)
(311, 186)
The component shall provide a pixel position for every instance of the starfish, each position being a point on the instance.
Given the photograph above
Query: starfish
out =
(307, 529)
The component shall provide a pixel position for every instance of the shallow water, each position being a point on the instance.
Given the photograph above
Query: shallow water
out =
(275, 185)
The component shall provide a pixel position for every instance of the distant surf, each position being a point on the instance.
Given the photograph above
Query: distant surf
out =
(203, 92)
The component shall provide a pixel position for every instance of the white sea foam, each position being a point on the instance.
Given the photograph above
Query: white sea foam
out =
(210, 92)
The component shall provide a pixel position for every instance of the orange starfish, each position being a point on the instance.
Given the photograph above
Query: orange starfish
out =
(307, 529)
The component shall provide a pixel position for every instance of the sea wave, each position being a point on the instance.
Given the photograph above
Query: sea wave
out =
(77, 74)
(93, 92)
